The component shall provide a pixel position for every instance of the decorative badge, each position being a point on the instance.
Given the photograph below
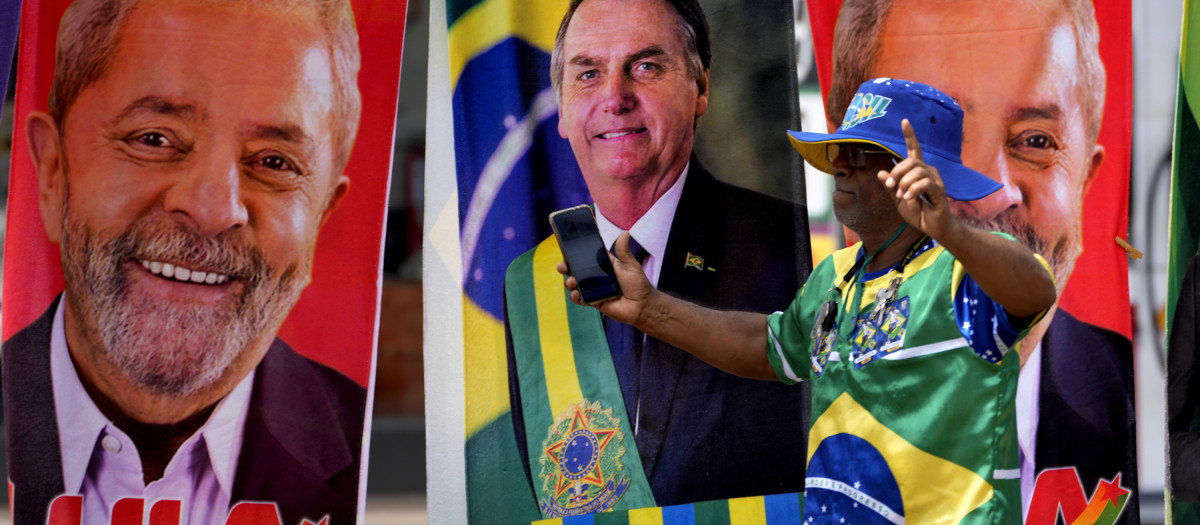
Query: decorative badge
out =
(694, 261)
(581, 463)
(823, 335)
(880, 334)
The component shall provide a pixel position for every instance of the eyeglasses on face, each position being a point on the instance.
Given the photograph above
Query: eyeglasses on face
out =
(856, 155)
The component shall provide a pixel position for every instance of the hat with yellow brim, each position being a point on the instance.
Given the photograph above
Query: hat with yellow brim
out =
(873, 118)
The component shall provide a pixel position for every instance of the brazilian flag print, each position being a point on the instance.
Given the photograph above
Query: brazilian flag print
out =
(512, 170)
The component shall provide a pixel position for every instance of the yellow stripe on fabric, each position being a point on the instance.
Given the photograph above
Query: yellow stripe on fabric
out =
(747, 511)
(551, 521)
(558, 354)
(485, 367)
(1045, 265)
(844, 259)
(956, 277)
(646, 516)
(486, 24)
(932, 489)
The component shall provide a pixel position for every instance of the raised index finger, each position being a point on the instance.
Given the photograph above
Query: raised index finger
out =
(910, 141)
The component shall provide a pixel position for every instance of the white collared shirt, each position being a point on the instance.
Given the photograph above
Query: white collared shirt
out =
(101, 463)
(651, 229)
(1029, 384)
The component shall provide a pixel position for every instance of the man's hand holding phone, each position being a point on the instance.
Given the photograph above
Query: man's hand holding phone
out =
(594, 276)
(586, 257)
(628, 306)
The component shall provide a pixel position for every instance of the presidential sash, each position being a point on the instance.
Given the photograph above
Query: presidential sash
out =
(582, 455)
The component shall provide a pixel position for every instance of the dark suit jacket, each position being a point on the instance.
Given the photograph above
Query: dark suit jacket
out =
(300, 449)
(705, 434)
(1085, 405)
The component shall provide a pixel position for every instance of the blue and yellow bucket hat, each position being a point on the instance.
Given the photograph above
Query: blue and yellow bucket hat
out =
(874, 118)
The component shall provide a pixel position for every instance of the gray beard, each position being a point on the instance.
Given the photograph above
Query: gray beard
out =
(1061, 255)
(171, 349)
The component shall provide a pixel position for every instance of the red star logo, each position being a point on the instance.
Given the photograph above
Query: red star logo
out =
(1111, 491)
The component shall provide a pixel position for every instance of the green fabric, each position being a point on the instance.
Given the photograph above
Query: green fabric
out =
(953, 405)
(611, 518)
(495, 477)
(778, 509)
(597, 381)
(712, 512)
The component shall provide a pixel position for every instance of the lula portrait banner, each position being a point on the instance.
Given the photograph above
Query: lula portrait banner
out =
(192, 265)
(1047, 100)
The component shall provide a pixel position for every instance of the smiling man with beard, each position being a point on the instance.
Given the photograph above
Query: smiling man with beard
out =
(187, 163)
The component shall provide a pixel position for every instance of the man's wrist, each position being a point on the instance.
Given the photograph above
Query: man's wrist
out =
(953, 233)
(655, 312)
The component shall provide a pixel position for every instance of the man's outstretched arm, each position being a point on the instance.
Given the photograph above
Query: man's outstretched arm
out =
(735, 342)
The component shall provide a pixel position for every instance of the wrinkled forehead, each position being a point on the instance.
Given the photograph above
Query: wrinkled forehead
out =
(985, 54)
(234, 40)
(622, 27)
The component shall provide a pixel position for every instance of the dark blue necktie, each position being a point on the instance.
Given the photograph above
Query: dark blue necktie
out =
(625, 343)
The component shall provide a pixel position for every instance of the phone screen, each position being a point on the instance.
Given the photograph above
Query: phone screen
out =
(581, 245)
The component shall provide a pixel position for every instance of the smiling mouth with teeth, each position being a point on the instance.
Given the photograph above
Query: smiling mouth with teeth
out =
(620, 133)
(179, 273)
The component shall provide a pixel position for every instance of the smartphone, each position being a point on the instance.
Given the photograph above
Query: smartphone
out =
(585, 253)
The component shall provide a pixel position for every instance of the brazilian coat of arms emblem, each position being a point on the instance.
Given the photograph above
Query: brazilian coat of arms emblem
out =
(581, 468)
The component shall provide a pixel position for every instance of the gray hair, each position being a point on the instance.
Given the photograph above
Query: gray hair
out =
(90, 29)
(856, 49)
(693, 26)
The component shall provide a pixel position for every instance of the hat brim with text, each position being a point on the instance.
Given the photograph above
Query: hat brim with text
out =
(874, 116)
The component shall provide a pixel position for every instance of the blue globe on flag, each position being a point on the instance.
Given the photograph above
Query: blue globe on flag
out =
(849, 481)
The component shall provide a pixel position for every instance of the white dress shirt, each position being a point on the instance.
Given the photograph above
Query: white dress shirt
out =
(101, 463)
(651, 229)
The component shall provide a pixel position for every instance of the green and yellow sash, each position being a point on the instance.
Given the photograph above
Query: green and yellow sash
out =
(582, 454)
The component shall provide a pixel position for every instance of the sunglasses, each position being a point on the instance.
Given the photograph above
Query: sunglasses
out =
(856, 155)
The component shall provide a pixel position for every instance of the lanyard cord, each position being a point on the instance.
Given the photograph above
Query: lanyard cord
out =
(862, 263)
(856, 273)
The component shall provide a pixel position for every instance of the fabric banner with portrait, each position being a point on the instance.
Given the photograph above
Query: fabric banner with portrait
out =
(1043, 118)
(538, 373)
(193, 253)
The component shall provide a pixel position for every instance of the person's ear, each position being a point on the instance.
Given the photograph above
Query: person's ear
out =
(45, 148)
(562, 122)
(1093, 168)
(702, 94)
(335, 198)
